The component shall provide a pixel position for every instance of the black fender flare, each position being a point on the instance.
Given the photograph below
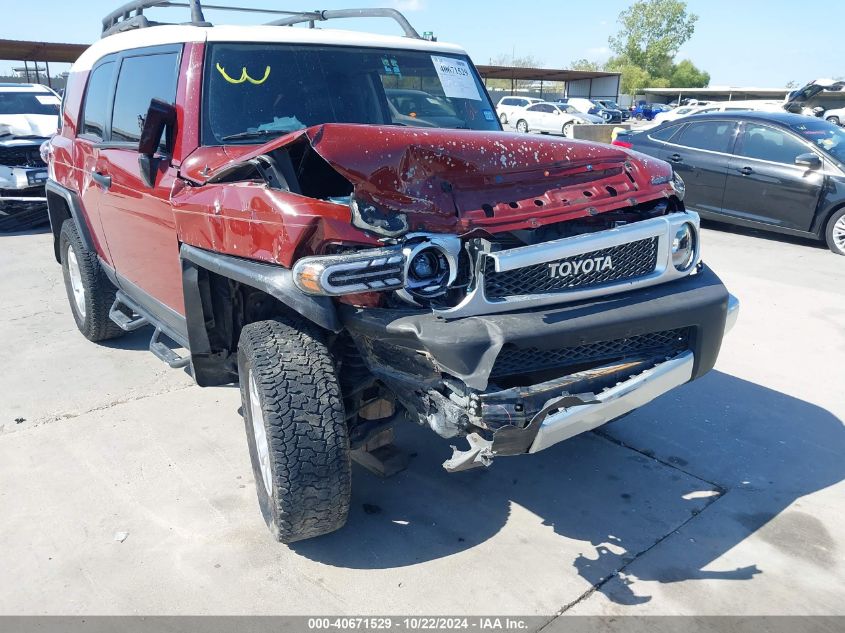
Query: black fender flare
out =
(57, 217)
(275, 280)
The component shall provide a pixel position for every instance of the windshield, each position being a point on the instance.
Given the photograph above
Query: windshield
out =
(29, 103)
(263, 90)
(566, 108)
(612, 105)
(824, 135)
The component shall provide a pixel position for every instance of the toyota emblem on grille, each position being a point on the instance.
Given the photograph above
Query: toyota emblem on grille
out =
(559, 270)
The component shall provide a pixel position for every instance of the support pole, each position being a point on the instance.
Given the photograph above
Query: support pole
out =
(47, 67)
(26, 70)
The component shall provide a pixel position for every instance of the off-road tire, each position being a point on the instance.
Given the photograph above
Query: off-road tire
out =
(837, 246)
(21, 216)
(95, 325)
(301, 403)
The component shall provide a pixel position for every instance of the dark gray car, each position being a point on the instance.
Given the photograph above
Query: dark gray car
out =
(775, 171)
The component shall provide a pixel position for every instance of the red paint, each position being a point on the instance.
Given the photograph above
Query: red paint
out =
(444, 180)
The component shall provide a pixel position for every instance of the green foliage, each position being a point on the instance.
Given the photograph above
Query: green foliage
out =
(584, 64)
(651, 32)
(686, 75)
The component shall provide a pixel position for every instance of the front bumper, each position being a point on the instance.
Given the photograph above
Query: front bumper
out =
(416, 354)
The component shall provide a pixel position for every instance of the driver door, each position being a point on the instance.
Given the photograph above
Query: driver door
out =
(138, 219)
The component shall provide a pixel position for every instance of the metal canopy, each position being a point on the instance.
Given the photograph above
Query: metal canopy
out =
(40, 51)
(518, 73)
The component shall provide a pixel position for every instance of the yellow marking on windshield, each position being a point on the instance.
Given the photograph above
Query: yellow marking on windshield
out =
(244, 76)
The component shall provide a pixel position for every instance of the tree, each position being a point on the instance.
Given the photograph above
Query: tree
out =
(633, 79)
(686, 75)
(585, 64)
(651, 32)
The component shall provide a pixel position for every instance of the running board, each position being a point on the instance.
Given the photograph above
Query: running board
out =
(139, 319)
(125, 322)
(163, 352)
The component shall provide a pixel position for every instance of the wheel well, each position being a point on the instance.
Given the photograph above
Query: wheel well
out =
(57, 212)
(822, 227)
(217, 308)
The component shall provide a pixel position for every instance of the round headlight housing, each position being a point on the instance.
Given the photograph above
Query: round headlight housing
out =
(683, 247)
(429, 270)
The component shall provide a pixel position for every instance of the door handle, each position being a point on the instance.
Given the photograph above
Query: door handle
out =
(676, 158)
(745, 171)
(101, 179)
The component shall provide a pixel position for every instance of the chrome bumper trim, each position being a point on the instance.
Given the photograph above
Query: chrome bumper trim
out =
(663, 228)
(614, 402)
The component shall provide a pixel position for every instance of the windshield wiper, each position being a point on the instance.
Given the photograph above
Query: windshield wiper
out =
(254, 134)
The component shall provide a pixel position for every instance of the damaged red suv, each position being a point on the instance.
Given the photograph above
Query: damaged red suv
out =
(336, 221)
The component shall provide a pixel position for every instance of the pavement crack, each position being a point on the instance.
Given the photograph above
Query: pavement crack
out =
(615, 573)
(603, 434)
(100, 407)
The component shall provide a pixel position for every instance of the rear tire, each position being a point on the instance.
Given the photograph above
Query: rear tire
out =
(522, 126)
(503, 118)
(835, 232)
(89, 291)
(295, 427)
(833, 119)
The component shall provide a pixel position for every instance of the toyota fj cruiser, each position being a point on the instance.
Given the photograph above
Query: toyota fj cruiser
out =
(256, 196)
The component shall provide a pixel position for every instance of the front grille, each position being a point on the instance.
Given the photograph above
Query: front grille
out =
(635, 259)
(21, 157)
(513, 360)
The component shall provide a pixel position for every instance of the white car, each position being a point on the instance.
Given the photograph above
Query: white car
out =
(835, 116)
(508, 105)
(716, 106)
(551, 118)
(29, 115)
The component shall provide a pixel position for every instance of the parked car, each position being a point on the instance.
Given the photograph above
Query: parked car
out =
(798, 101)
(647, 111)
(248, 193)
(551, 118)
(609, 104)
(723, 106)
(775, 171)
(507, 106)
(29, 114)
(835, 116)
(587, 106)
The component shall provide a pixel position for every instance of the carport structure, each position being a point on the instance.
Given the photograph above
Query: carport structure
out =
(579, 83)
(37, 52)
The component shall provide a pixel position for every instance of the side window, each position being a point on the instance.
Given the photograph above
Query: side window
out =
(97, 101)
(715, 136)
(141, 79)
(664, 134)
(765, 143)
(508, 102)
(535, 108)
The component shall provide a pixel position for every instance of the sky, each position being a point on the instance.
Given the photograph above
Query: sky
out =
(755, 43)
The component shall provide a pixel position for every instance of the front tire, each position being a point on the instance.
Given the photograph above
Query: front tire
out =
(295, 427)
(89, 291)
(567, 129)
(835, 232)
(522, 126)
(833, 119)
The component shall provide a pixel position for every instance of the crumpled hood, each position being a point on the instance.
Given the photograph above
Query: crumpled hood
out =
(40, 125)
(469, 177)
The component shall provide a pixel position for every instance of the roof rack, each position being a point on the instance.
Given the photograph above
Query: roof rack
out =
(122, 19)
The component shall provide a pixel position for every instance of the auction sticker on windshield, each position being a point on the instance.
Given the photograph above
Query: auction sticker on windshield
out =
(456, 78)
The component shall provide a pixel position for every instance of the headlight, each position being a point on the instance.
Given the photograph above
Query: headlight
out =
(365, 271)
(431, 266)
(678, 185)
(683, 247)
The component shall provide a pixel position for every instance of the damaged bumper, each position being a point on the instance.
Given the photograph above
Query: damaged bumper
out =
(23, 200)
(521, 382)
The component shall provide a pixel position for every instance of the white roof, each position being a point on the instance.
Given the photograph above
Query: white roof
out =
(177, 34)
(25, 88)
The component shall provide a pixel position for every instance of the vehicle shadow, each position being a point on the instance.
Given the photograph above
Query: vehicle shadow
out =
(38, 230)
(725, 227)
(594, 489)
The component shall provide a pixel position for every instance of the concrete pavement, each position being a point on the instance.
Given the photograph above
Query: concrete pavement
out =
(720, 498)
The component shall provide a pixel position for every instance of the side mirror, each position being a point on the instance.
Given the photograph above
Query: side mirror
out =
(160, 120)
(810, 160)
